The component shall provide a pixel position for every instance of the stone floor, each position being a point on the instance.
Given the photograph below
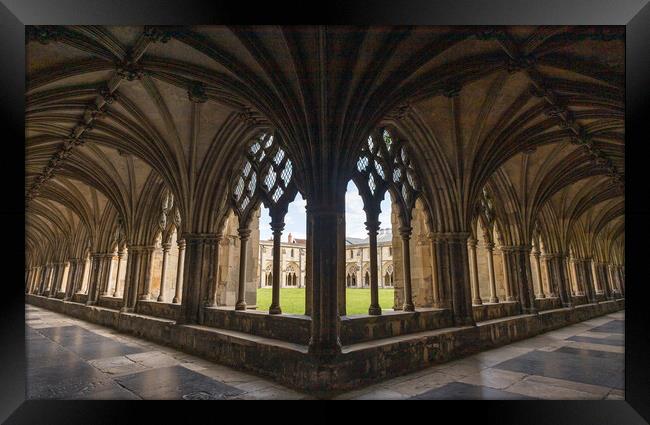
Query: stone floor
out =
(72, 359)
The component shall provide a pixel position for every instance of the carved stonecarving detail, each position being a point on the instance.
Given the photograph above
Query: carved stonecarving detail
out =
(129, 70)
(158, 34)
(452, 89)
(401, 111)
(43, 34)
(247, 116)
(196, 92)
(520, 64)
(106, 95)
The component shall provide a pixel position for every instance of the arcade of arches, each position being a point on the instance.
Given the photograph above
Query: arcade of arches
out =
(151, 150)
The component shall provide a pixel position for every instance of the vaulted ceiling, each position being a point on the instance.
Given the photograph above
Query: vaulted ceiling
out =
(116, 114)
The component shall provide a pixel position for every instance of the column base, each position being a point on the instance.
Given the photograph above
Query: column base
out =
(160, 299)
(127, 310)
(240, 305)
(145, 297)
(175, 300)
(374, 310)
(275, 310)
(464, 321)
(408, 307)
(540, 296)
(511, 298)
(324, 351)
(477, 301)
(494, 300)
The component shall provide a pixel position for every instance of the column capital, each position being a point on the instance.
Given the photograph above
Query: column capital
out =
(472, 242)
(372, 226)
(405, 232)
(489, 246)
(277, 227)
(166, 247)
(244, 232)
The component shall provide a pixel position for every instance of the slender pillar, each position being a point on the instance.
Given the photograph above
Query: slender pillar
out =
(538, 272)
(213, 293)
(179, 271)
(163, 271)
(489, 246)
(405, 233)
(244, 235)
(120, 256)
(147, 265)
(105, 278)
(507, 281)
(373, 228)
(276, 227)
(473, 268)
(324, 220)
(308, 269)
(93, 285)
(560, 277)
(435, 281)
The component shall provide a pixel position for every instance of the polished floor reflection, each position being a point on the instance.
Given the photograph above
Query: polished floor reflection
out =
(71, 359)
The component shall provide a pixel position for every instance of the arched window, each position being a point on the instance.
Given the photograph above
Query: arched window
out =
(384, 164)
(266, 176)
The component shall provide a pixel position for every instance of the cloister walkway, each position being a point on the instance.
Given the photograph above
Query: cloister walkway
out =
(69, 358)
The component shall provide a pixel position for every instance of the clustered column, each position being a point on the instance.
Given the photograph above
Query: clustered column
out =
(179, 271)
(405, 233)
(276, 227)
(489, 246)
(473, 268)
(163, 271)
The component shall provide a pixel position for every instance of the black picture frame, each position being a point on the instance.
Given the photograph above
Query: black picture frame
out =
(634, 14)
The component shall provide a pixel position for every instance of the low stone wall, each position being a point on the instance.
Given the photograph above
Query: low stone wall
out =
(355, 329)
(80, 298)
(287, 327)
(111, 302)
(157, 309)
(495, 311)
(579, 299)
(357, 365)
(548, 303)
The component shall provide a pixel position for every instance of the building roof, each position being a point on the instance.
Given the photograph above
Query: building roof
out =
(384, 236)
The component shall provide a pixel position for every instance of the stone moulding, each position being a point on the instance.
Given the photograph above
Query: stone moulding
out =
(359, 364)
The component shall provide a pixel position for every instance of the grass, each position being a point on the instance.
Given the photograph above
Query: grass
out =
(292, 300)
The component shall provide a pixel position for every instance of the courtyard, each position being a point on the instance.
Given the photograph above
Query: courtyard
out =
(292, 300)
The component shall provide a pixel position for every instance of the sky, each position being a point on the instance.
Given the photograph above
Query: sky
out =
(354, 217)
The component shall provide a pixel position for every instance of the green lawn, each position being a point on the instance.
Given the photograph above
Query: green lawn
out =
(292, 300)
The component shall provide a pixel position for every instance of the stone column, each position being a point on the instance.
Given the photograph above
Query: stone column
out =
(93, 279)
(473, 272)
(590, 285)
(69, 287)
(559, 276)
(373, 228)
(603, 275)
(179, 271)
(198, 274)
(435, 280)
(244, 235)
(144, 289)
(405, 233)
(459, 280)
(538, 272)
(507, 281)
(163, 271)
(213, 292)
(138, 270)
(56, 277)
(324, 220)
(340, 270)
(489, 246)
(120, 256)
(276, 227)
(308, 272)
(105, 278)
(525, 288)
